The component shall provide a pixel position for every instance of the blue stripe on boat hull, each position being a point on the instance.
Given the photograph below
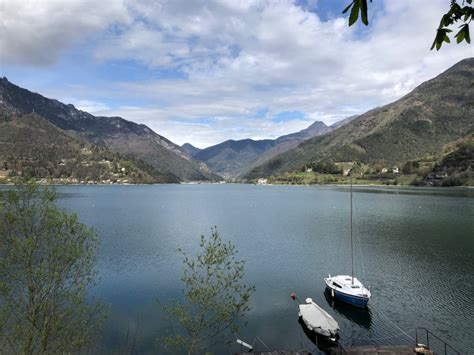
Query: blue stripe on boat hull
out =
(355, 301)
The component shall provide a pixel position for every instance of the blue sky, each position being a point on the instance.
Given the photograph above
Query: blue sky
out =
(206, 71)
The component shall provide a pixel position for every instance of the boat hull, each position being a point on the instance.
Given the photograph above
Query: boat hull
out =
(332, 337)
(350, 299)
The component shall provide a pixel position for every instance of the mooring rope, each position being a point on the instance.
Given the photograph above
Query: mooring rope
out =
(395, 325)
(265, 345)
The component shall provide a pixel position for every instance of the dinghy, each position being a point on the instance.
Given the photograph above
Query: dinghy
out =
(318, 320)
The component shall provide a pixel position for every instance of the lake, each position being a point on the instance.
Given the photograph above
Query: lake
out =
(414, 247)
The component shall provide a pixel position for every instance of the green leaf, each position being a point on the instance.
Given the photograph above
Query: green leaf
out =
(363, 12)
(438, 41)
(463, 34)
(347, 8)
(446, 20)
(460, 36)
(354, 12)
(467, 35)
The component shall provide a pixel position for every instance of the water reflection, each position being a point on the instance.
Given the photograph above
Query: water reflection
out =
(360, 316)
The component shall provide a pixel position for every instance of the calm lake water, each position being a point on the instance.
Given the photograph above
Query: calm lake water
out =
(413, 246)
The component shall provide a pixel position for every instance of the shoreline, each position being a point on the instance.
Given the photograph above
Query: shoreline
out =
(367, 185)
(245, 183)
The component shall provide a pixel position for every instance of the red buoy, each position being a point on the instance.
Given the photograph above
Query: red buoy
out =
(293, 296)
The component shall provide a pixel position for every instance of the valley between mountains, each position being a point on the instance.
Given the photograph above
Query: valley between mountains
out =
(426, 138)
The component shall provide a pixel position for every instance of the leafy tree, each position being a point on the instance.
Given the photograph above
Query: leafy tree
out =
(325, 167)
(47, 263)
(216, 297)
(410, 167)
(460, 11)
(462, 158)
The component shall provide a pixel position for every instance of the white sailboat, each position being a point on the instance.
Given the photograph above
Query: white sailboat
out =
(348, 288)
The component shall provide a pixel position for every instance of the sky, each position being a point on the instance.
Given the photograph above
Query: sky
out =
(207, 71)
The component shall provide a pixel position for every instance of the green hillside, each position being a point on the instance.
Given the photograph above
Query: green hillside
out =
(136, 141)
(32, 147)
(455, 168)
(437, 112)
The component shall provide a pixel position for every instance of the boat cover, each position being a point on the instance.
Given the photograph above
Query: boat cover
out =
(316, 317)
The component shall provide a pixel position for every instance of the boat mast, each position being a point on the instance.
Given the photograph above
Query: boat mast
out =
(352, 244)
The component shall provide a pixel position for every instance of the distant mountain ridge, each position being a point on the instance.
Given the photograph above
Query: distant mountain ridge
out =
(233, 158)
(435, 113)
(316, 129)
(115, 133)
(190, 149)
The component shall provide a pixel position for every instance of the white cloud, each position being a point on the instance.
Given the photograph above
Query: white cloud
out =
(94, 107)
(35, 32)
(236, 57)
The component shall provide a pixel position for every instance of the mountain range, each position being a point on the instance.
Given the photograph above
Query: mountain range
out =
(234, 158)
(47, 138)
(434, 114)
(161, 159)
(136, 141)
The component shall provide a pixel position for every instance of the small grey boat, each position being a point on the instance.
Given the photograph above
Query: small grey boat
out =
(318, 320)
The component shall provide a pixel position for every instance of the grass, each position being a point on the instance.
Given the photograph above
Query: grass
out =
(312, 178)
